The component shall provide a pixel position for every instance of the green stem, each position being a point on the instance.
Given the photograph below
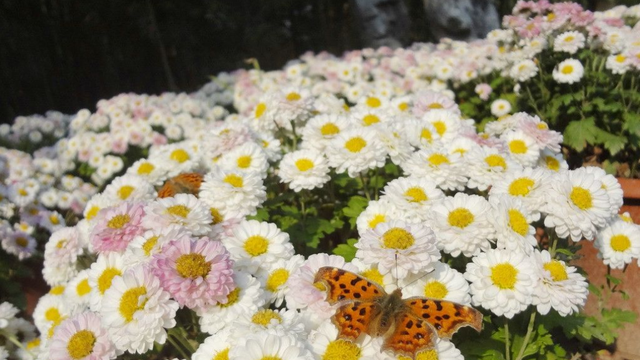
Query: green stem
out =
(14, 340)
(365, 187)
(175, 343)
(525, 342)
(507, 348)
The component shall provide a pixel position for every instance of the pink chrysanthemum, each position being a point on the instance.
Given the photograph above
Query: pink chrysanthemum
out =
(196, 273)
(117, 226)
(81, 337)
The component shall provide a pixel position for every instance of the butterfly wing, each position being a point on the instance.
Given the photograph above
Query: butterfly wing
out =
(410, 336)
(167, 190)
(445, 316)
(344, 285)
(187, 183)
(353, 318)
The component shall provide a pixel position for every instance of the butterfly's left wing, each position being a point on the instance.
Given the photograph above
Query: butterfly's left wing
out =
(341, 285)
(353, 318)
(445, 316)
(411, 336)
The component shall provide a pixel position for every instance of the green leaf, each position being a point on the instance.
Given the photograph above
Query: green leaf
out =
(348, 250)
(614, 280)
(316, 229)
(631, 123)
(594, 289)
(613, 143)
(261, 215)
(579, 133)
(354, 207)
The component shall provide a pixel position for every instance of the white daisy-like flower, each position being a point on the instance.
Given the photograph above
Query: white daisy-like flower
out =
(560, 286)
(129, 187)
(176, 158)
(183, 210)
(142, 248)
(500, 107)
(568, 72)
(355, 151)
(274, 278)
(443, 350)
(231, 192)
(8, 312)
(421, 133)
(50, 311)
(487, 165)
(82, 337)
(304, 169)
(78, 291)
(412, 197)
(270, 145)
(618, 63)
(377, 211)
(136, 311)
(387, 281)
(618, 244)
(283, 320)
(367, 116)
(19, 244)
(610, 184)
(523, 70)
(552, 161)
(149, 170)
(528, 184)
(394, 139)
(248, 157)
(444, 283)
(462, 225)
(569, 42)
(373, 102)
(512, 222)
(399, 247)
(97, 203)
(256, 245)
(502, 281)
(269, 344)
(215, 347)
(321, 129)
(577, 205)
(247, 297)
(61, 255)
(101, 275)
(446, 123)
(325, 344)
(439, 166)
(522, 148)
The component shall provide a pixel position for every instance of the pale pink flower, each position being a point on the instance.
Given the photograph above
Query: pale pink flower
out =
(483, 90)
(117, 226)
(81, 336)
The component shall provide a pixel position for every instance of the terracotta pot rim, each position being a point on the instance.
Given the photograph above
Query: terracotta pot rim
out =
(630, 187)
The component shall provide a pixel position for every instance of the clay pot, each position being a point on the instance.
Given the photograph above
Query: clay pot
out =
(631, 189)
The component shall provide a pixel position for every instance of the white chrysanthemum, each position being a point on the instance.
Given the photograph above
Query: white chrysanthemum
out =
(176, 158)
(421, 133)
(500, 107)
(569, 42)
(50, 311)
(577, 205)
(248, 157)
(502, 281)
(399, 247)
(149, 170)
(560, 286)
(487, 165)
(444, 283)
(568, 72)
(527, 184)
(19, 244)
(136, 311)
(394, 139)
(274, 278)
(78, 291)
(366, 116)
(439, 166)
(101, 275)
(610, 184)
(129, 187)
(355, 151)
(82, 337)
(377, 211)
(304, 169)
(256, 245)
(8, 312)
(142, 248)
(444, 350)
(388, 281)
(552, 161)
(247, 297)
(268, 345)
(183, 210)
(512, 222)
(618, 63)
(523, 148)
(61, 255)
(462, 225)
(284, 320)
(270, 145)
(215, 347)
(524, 70)
(446, 123)
(97, 203)
(325, 344)
(231, 192)
(320, 129)
(412, 197)
(373, 102)
(618, 243)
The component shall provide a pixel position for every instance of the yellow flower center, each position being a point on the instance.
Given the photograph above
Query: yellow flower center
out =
(567, 69)
(423, 355)
(329, 129)
(377, 219)
(276, 279)
(232, 298)
(581, 198)
(52, 314)
(521, 187)
(130, 302)
(496, 160)
(118, 221)
(518, 147)
(552, 163)
(244, 161)
(57, 290)
(22, 242)
(304, 164)
(373, 275)
(222, 355)
(179, 155)
(435, 105)
(370, 119)
(517, 222)
(569, 38)
(504, 276)
(355, 144)
(256, 245)
(461, 218)
(125, 191)
(373, 102)
(626, 218)
(620, 58)
(105, 279)
(441, 127)
(145, 168)
(438, 159)
(83, 288)
(342, 350)
(435, 290)
(53, 218)
(403, 106)
(320, 286)
(216, 217)
(416, 195)
(149, 245)
(179, 210)
(192, 266)
(92, 212)
(397, 238)
(264, 317)
(271, 358)
(426, 134)
(557, 270)
(542, 126)
(234, 180)
(33, 344)
(620, 243)
(260, 109)
(81, 344)
(293, 96)
(22, 192)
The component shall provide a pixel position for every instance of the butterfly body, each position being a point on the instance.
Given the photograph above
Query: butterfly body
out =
(187, 183)
(408, 326)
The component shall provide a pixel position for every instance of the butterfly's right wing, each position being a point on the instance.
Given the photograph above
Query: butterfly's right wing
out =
(341, 285)
(411, 336)
(353, 318)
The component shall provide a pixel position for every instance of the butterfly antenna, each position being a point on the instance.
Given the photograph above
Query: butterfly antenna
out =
(420, 277)
(396, 270)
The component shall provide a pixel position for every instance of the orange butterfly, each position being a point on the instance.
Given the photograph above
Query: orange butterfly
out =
(187, 183)
(409, 326)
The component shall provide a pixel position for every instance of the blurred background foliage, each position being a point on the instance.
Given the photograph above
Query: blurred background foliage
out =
(67, 54)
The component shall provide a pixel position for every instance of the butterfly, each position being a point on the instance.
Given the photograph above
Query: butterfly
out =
(188, 183)
(408, 326)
